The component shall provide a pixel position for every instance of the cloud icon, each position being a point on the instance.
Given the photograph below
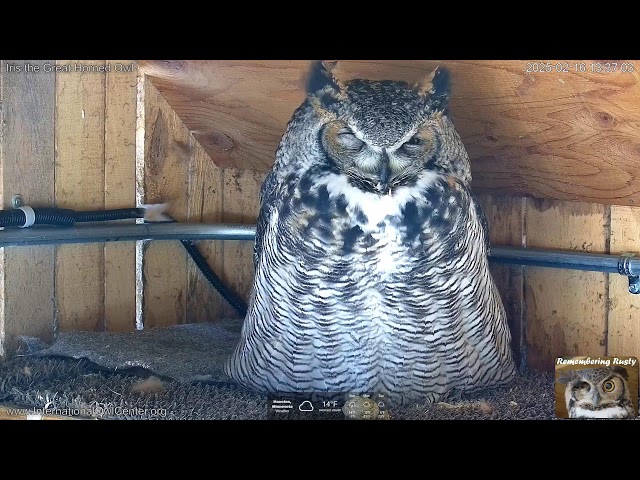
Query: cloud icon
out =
(306, 406)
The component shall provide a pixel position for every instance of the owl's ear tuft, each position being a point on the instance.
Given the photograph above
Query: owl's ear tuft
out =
(622, 372)
(437, 87)
(565, 377)
(321, 77)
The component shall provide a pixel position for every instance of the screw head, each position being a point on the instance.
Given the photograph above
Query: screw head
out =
(16, 201)
(634, 285)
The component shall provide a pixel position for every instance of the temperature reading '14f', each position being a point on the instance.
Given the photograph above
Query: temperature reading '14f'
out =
(330, 403)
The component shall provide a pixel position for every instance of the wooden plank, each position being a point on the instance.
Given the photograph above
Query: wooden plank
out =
(562, 135)
(566, 310)
(204, 303)
(166, 179)
(120, 192)
(80, 108)
(624, 307)
(241, 205)
(504, 216)
(27, 158)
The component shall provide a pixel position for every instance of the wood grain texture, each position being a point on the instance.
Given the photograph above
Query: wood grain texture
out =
(80, 114)
(560, 135)
(566, 310)
(120, 192)
(166, 179)
(505, 219)
(241, 192)
(27, 158)
(204, 303)
(624, 307)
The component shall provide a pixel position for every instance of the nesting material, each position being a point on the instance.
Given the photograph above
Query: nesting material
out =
(184, 353)
(81, 388)
(177, 373)
(149, 385)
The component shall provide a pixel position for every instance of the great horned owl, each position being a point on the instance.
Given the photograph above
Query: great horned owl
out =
(597, 393)
(370, 256)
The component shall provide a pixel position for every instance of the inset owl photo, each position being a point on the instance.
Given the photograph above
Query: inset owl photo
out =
(596, 387)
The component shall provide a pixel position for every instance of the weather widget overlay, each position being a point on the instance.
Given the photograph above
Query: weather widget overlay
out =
(328, 406)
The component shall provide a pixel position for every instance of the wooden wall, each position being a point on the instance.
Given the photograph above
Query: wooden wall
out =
(177, 170)
(69, 138)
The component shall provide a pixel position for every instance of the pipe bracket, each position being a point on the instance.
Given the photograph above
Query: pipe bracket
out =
(624, 269)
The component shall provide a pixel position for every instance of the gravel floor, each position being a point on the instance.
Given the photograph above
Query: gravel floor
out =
(79, 387)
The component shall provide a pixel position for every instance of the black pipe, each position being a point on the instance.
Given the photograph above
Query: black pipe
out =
(63, 217)
(236, 302)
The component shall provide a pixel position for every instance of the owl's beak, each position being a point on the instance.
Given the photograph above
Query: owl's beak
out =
(595, 397)
(385, 172)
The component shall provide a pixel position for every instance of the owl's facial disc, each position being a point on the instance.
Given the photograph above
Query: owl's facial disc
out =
(375, 168)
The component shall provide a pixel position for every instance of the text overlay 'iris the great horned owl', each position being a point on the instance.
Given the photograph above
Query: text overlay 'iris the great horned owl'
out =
(371, 269)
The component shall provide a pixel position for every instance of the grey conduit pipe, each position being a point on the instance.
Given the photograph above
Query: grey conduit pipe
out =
(625, 264)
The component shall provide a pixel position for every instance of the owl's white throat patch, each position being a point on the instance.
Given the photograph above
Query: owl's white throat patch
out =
(376, 207)
(612, 412)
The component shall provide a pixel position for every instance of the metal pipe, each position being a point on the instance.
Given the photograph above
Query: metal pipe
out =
(91, 233)
(596, 262)
(114, 233)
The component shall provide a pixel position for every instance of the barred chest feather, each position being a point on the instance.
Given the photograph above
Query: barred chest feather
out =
(376, 256)
(362, 292)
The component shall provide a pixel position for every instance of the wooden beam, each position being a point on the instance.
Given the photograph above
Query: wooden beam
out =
(27, 146)
(166, 179)
(120, 192)
(566, 310)
(204, 303)
(564, 135)
(241, 205)
(624, 307)
(80, 182)
(504, 216)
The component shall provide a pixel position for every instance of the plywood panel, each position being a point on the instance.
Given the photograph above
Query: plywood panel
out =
(241, 205)
(204, 303)
(27, 109)
(624, 307)
(566, 310)
(562, 134)
(120, 192)
(80, 108)
(167, 158)
(505, 219)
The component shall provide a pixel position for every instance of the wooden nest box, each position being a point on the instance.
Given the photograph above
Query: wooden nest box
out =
(555, 149)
